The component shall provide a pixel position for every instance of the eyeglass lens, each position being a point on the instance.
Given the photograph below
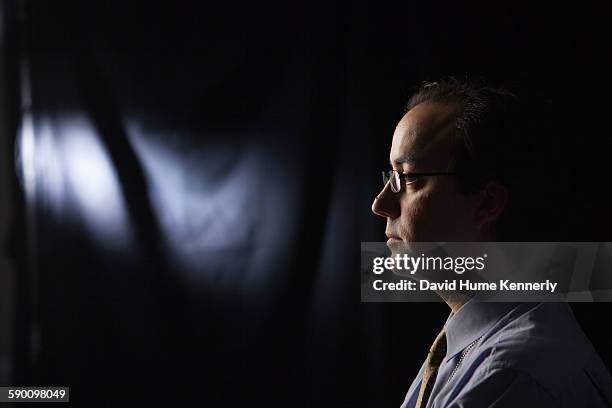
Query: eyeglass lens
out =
(392, 176)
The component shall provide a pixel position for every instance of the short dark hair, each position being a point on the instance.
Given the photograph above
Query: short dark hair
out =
(498, 138)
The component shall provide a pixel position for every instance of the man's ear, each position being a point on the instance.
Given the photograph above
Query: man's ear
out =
(492, 200)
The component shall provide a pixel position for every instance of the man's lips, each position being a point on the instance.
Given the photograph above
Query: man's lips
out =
(392, 237)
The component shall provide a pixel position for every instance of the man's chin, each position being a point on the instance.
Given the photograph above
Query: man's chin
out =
(399, 246)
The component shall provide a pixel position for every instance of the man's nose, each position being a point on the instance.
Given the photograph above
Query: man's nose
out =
(386, 203)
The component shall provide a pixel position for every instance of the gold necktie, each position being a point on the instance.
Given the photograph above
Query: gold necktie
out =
(434, 358)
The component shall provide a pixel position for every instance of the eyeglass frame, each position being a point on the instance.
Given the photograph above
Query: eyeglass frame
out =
(402, 177)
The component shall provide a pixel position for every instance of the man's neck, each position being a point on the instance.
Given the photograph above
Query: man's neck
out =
(454, 300)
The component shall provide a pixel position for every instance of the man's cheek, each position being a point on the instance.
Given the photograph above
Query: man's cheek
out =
(414, 218)
(411, 209)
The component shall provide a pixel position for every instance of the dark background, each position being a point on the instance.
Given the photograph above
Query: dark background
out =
(204, 172)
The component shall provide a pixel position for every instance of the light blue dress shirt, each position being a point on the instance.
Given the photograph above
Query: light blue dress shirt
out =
(516, 355)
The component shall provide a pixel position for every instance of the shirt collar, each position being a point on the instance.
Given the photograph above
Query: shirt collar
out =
(470, 322)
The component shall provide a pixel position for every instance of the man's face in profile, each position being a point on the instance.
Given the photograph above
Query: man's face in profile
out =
(430, 209)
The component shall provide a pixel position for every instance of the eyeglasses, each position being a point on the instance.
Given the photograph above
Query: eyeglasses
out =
(395, 178)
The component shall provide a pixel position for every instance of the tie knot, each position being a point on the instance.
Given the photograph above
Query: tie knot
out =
(437, 350)
(434, 358)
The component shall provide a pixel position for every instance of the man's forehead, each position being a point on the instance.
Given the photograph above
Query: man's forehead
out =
(423, 132)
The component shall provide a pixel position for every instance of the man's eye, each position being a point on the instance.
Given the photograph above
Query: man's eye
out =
(409, 178)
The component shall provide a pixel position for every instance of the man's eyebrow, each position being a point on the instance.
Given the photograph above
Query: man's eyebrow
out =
(410, 159)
